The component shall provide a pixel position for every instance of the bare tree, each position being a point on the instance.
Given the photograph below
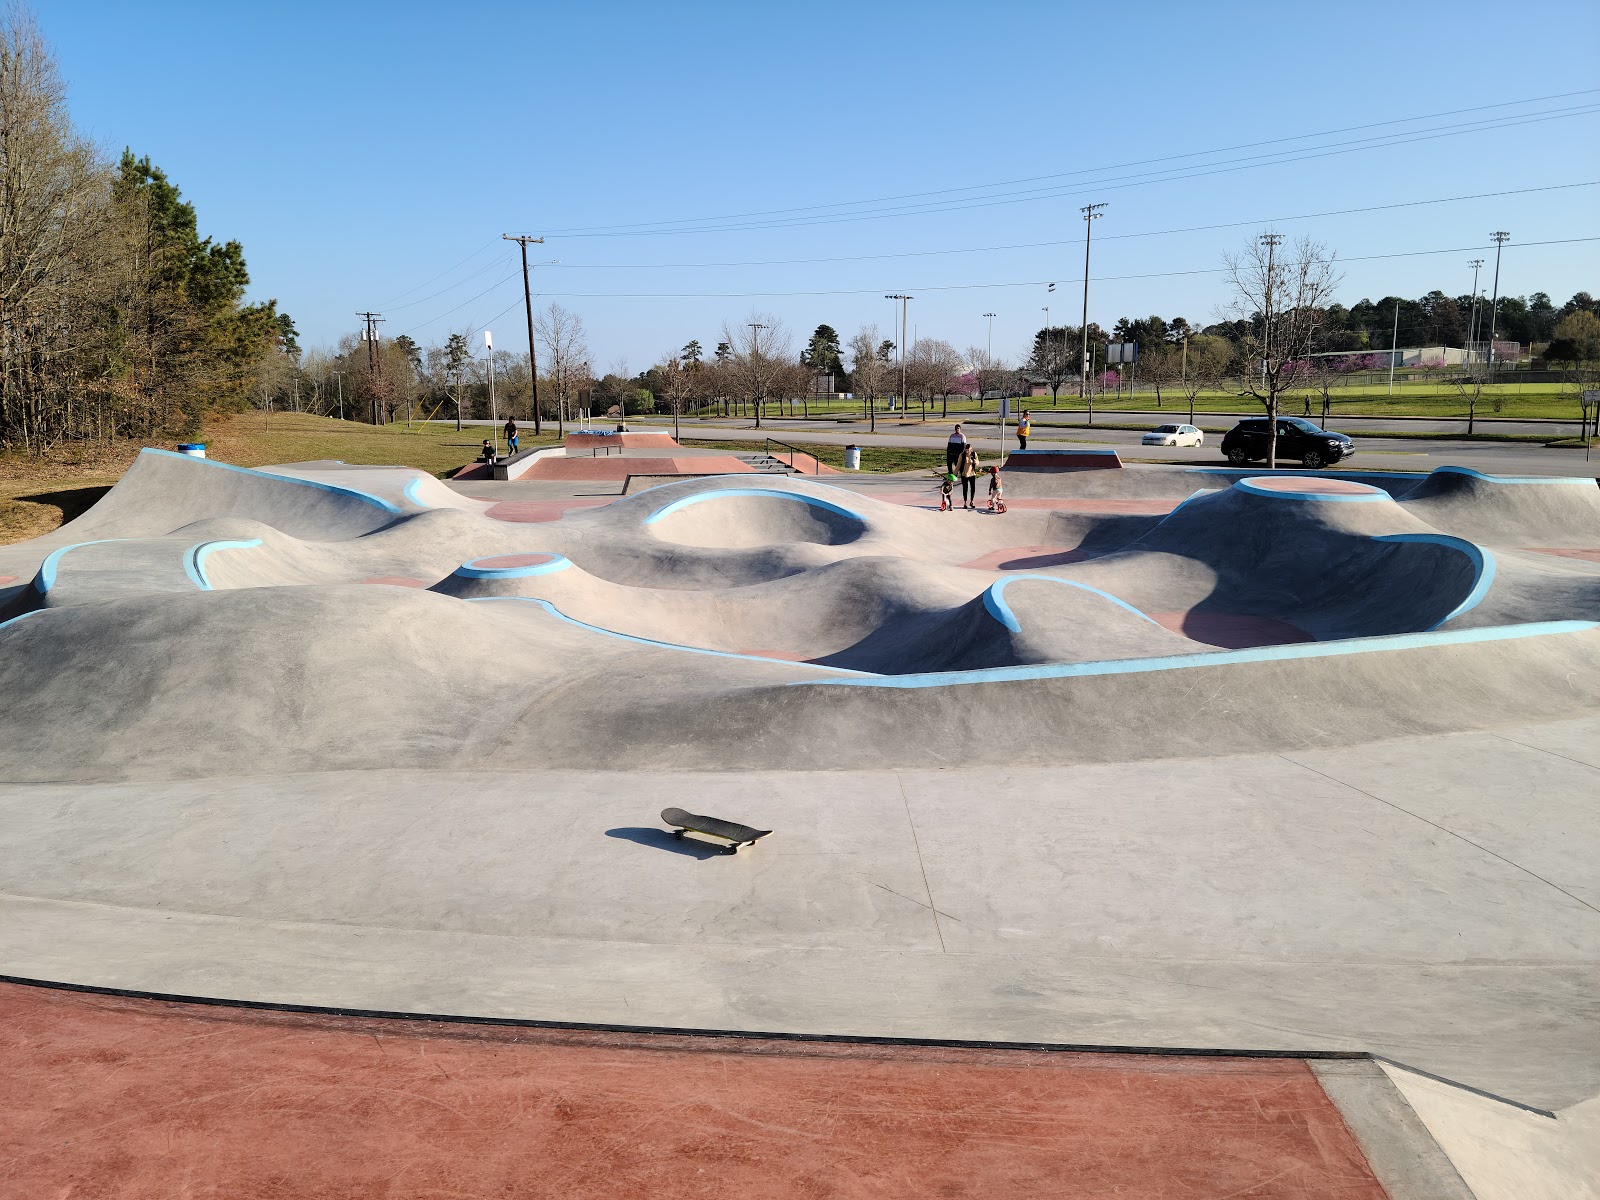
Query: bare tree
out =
(868, 371)
(1280, 294)
(566, 354)
(933, 366)
(1202, 365)
(760, 350)
(677, 382)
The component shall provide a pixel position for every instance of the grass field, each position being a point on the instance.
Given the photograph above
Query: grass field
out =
(37, 495)
(1524, 401)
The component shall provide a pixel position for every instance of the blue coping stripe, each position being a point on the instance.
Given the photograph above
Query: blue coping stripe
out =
(194, 559)
(1482, 562)
(644, 641)
(365, 497)
(994, 601)
(470, 569)
(1053, 452)
(1220, 658)
(1253, 486)
(46, 577)
(1536, 479)
(32, 612)
(410, 493)
(716, 494)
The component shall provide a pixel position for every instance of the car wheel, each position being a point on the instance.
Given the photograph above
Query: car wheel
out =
(1238, 457)
(1311, 460)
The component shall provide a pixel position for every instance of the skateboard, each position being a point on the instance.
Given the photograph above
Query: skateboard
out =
(728, 831)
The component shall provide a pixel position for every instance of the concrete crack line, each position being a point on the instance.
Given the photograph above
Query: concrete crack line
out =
(1542, 750)
(1443, 829)
(916, 845)
(914, 900)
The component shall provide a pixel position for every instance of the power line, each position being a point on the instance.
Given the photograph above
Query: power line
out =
(955, 287)
(757, 221)
(443, 273)
(1339, 212)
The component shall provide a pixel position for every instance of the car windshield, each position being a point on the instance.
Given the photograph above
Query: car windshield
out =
(1166, 429)
(1301, 424)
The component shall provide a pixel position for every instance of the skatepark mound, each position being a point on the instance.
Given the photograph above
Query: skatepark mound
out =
(1509, 510)
(197, 584)
(738, 518)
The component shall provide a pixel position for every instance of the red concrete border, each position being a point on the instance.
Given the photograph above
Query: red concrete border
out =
(106, 1096)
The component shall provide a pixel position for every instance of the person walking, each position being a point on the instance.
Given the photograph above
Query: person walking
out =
(511, 435)
(953, 448)
(1024, 428)
(968, 468)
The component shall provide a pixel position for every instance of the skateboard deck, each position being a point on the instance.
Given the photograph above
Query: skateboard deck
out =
(728, 831)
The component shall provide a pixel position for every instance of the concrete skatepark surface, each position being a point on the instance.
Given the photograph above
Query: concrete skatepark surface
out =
(1161, 758)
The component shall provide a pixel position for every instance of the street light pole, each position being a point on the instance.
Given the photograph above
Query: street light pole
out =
(755, 350)
(1500, 237)
(494, 415)
(1091, 213)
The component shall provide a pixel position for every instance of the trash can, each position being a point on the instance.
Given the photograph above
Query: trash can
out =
(852, 458)
(192, 449)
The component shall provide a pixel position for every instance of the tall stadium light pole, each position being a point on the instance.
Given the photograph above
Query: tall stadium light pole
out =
(989, 353)
(1090, 213)
(1472, 321)
(1394, 345)
(522, 241)
(1500, 237)
(902, 298)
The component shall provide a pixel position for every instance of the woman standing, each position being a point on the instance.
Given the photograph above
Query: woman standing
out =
(953, 449)
(967, 468)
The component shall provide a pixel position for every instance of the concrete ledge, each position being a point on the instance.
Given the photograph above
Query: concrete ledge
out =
(1063, 460)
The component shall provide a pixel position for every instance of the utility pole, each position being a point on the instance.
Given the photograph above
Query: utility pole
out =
(522, 240)
(902, 347)
(1472, 321)
(1091, 212)
(374, 367)
(339, 376)
(1500, 237)
(989, 353)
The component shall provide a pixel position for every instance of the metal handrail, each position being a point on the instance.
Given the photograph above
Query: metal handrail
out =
(816, 463)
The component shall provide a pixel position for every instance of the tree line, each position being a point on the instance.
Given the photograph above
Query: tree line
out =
(117, 319)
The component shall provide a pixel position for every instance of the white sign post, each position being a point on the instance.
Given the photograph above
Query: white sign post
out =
(1005, 411)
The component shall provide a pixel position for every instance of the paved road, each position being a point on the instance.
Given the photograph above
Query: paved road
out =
(1374, 453)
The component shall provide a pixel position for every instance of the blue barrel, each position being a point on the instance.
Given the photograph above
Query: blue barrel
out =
(192, 449)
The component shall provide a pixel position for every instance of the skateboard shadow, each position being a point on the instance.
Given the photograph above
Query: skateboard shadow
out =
(662, 839)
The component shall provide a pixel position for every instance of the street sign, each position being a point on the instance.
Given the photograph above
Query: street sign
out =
(1122, 352)
(1005, 406)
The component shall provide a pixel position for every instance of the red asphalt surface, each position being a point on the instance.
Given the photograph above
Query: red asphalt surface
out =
(105, 1097)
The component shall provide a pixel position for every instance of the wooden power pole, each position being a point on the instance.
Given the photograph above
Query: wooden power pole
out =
(522, 240)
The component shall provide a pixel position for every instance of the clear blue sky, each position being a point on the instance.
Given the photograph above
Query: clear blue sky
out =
(358, 151)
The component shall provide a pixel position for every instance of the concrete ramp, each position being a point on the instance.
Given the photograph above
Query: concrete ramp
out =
(1509, 510)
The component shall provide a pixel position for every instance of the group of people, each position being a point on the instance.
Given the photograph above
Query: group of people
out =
(489, 454)
(961, 464)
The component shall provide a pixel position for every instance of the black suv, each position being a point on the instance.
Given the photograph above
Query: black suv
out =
(1298, 440)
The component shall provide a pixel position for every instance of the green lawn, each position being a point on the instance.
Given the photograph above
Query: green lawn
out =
(1421, 399)
(37, 495)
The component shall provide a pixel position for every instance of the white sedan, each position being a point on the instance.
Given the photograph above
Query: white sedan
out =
(1173, 435)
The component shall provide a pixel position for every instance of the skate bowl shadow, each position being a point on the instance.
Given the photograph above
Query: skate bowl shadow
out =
(662, 839)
